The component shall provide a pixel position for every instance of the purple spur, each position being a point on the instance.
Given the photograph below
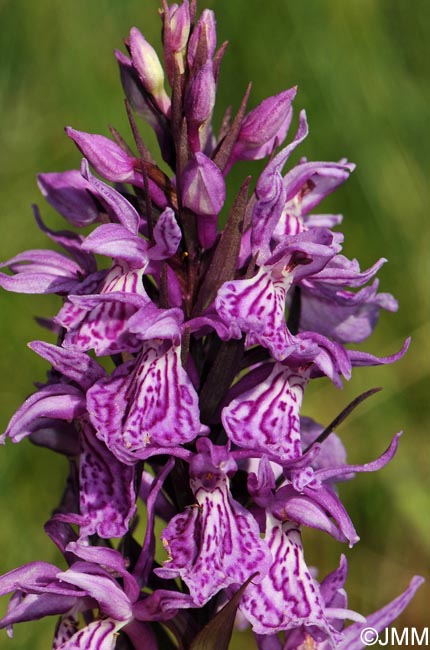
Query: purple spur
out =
(213, 334)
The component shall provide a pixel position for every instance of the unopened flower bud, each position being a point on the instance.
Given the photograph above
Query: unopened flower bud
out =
(133, 89)
(149, 69)
(203, 192)
(107, 157)
(176, 31)
(179, 23)
(265, 127)
(200, 95)
(203, 39)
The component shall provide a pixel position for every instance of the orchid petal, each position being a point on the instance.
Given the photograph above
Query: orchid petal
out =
(41, 271)
(374, 466)
(75, 365)
(107, 499)
(167, 236)
(126, 214)
(67, 192)
(266, 417)
(116, 241)
(214, 545)
(100, 586)
(149, 403)
(60, 401)
(265, 127)
(257, 307)
(271, 195)
(107, 157)
(98, 635)
(379, 620)
(287, 597)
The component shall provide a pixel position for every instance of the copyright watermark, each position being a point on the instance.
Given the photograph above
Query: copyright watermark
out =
(369, 636)
(391, 636)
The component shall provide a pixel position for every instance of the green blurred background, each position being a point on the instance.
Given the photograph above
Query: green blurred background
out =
(363, 77)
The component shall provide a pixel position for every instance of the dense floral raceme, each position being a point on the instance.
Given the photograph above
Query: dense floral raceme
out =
(213, 332)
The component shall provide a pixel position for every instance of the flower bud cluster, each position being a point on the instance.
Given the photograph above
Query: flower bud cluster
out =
(213, 335)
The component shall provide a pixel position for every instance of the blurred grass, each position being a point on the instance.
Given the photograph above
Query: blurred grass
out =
(362, 71)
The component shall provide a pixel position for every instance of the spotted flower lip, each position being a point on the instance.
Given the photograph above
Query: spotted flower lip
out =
(217, 542)
(193, 319)
(256, 306)
(131, 411)
(271, 605)
(271, 409)
(107, 496)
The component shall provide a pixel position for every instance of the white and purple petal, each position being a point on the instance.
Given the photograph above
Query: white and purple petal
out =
(266, 417)
(98, 635)
(288, 596)
(99, 321)
(146, 403)
(256, 306)
(66, 627)
(106, 490)
(215, 545)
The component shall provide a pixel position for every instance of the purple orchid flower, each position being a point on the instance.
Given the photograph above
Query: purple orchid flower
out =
(265, 413)
(257, 306)
(90, 583)
(147, 405)
(334, 596)
(216, 542)
(328, 307)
